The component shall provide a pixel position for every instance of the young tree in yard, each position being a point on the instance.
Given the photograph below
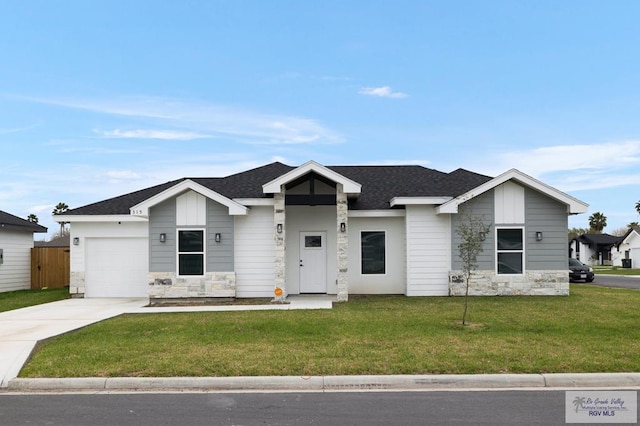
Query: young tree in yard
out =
(60, 209)
(472, 232)
(597, 222)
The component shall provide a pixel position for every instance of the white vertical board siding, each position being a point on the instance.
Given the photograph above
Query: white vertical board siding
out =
(509, 203)
(15, 271)
(428, 251)
(191, 209)
(254, 253)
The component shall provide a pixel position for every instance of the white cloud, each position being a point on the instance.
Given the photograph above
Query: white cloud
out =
(573, 167)
(201, 118)
(151, 134)
(383, 92)
(119, 175)
(544, 160)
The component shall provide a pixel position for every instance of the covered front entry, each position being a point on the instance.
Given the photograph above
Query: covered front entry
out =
(313, 262)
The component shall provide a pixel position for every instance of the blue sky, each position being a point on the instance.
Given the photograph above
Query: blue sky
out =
(100, 98)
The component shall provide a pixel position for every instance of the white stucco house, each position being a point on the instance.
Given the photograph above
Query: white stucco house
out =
(627, 251)
(281, 230)
(594, 249)
(16, 242)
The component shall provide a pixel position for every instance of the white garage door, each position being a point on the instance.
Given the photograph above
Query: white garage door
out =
(116, 267)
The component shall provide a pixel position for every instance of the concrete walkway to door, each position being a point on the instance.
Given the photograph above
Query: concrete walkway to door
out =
(21, 329)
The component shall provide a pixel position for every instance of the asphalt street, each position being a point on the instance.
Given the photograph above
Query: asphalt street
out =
(510, 407)
(616, 281)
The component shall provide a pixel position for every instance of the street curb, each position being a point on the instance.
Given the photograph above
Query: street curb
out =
(329, 383)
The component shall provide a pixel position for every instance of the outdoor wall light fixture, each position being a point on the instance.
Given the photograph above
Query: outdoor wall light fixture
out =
(163, 238)
(483, 236)
(218, 237)
(538, 236)
(279, 228)
(76, 241)
(343, 227)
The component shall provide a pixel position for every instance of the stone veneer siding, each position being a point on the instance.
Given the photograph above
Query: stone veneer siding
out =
(166, 285)
(531, 283)
(280, 244)
(342, 211)
(76, 284)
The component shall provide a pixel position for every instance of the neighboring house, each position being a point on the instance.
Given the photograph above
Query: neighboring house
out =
(593, 249)
(16, 241)
(59, 241)
(313, 229)
(627, 251)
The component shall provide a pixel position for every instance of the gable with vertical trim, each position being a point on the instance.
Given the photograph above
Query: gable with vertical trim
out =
(509, 203)
(191, 209)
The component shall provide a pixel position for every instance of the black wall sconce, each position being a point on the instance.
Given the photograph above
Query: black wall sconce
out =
(76, 241)
(279, 228)
(218, 237)
(343, 227)
(538, 236)
(163, 238)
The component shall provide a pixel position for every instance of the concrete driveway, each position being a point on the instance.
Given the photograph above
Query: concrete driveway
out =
(21, 329)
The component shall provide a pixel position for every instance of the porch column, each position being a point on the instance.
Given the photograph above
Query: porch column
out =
(342, 210)
(279, 232)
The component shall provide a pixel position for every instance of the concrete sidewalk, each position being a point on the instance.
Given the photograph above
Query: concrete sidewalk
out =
(21, 329)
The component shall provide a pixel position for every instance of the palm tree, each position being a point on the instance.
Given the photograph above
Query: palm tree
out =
(32, 218)
(60, 209)
(638, 207)
(597, 222)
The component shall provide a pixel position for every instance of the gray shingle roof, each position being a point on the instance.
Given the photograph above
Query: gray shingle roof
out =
(379, 185)
(9, 221)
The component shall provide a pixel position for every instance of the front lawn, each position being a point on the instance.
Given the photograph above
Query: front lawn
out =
(615, 270)
(22, 298)
(593, 330)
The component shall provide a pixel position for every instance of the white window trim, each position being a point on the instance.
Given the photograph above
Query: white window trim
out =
(386, 249)
(204, 252)
(524, 263)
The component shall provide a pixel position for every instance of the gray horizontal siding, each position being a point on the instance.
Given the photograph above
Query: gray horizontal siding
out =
(548, 216)
(482, 206)
(219, 255)
(162, 220)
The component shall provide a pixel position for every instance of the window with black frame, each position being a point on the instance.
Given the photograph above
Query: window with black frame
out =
(191, 252)
(373, 252)
(510, 250)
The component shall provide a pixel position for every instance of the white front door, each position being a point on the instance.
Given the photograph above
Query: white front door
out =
(313, 262)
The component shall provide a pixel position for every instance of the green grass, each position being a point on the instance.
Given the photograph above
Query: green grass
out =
(615, 270)
(593, 330)
(22, 298)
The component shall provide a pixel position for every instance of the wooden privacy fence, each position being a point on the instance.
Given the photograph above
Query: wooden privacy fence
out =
(49, 267)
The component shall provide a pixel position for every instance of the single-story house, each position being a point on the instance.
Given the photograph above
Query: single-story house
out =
(314, 229)
(593, 249)
(16, 242)
(627, 250)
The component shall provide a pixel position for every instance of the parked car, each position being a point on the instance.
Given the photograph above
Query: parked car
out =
(578, 271)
